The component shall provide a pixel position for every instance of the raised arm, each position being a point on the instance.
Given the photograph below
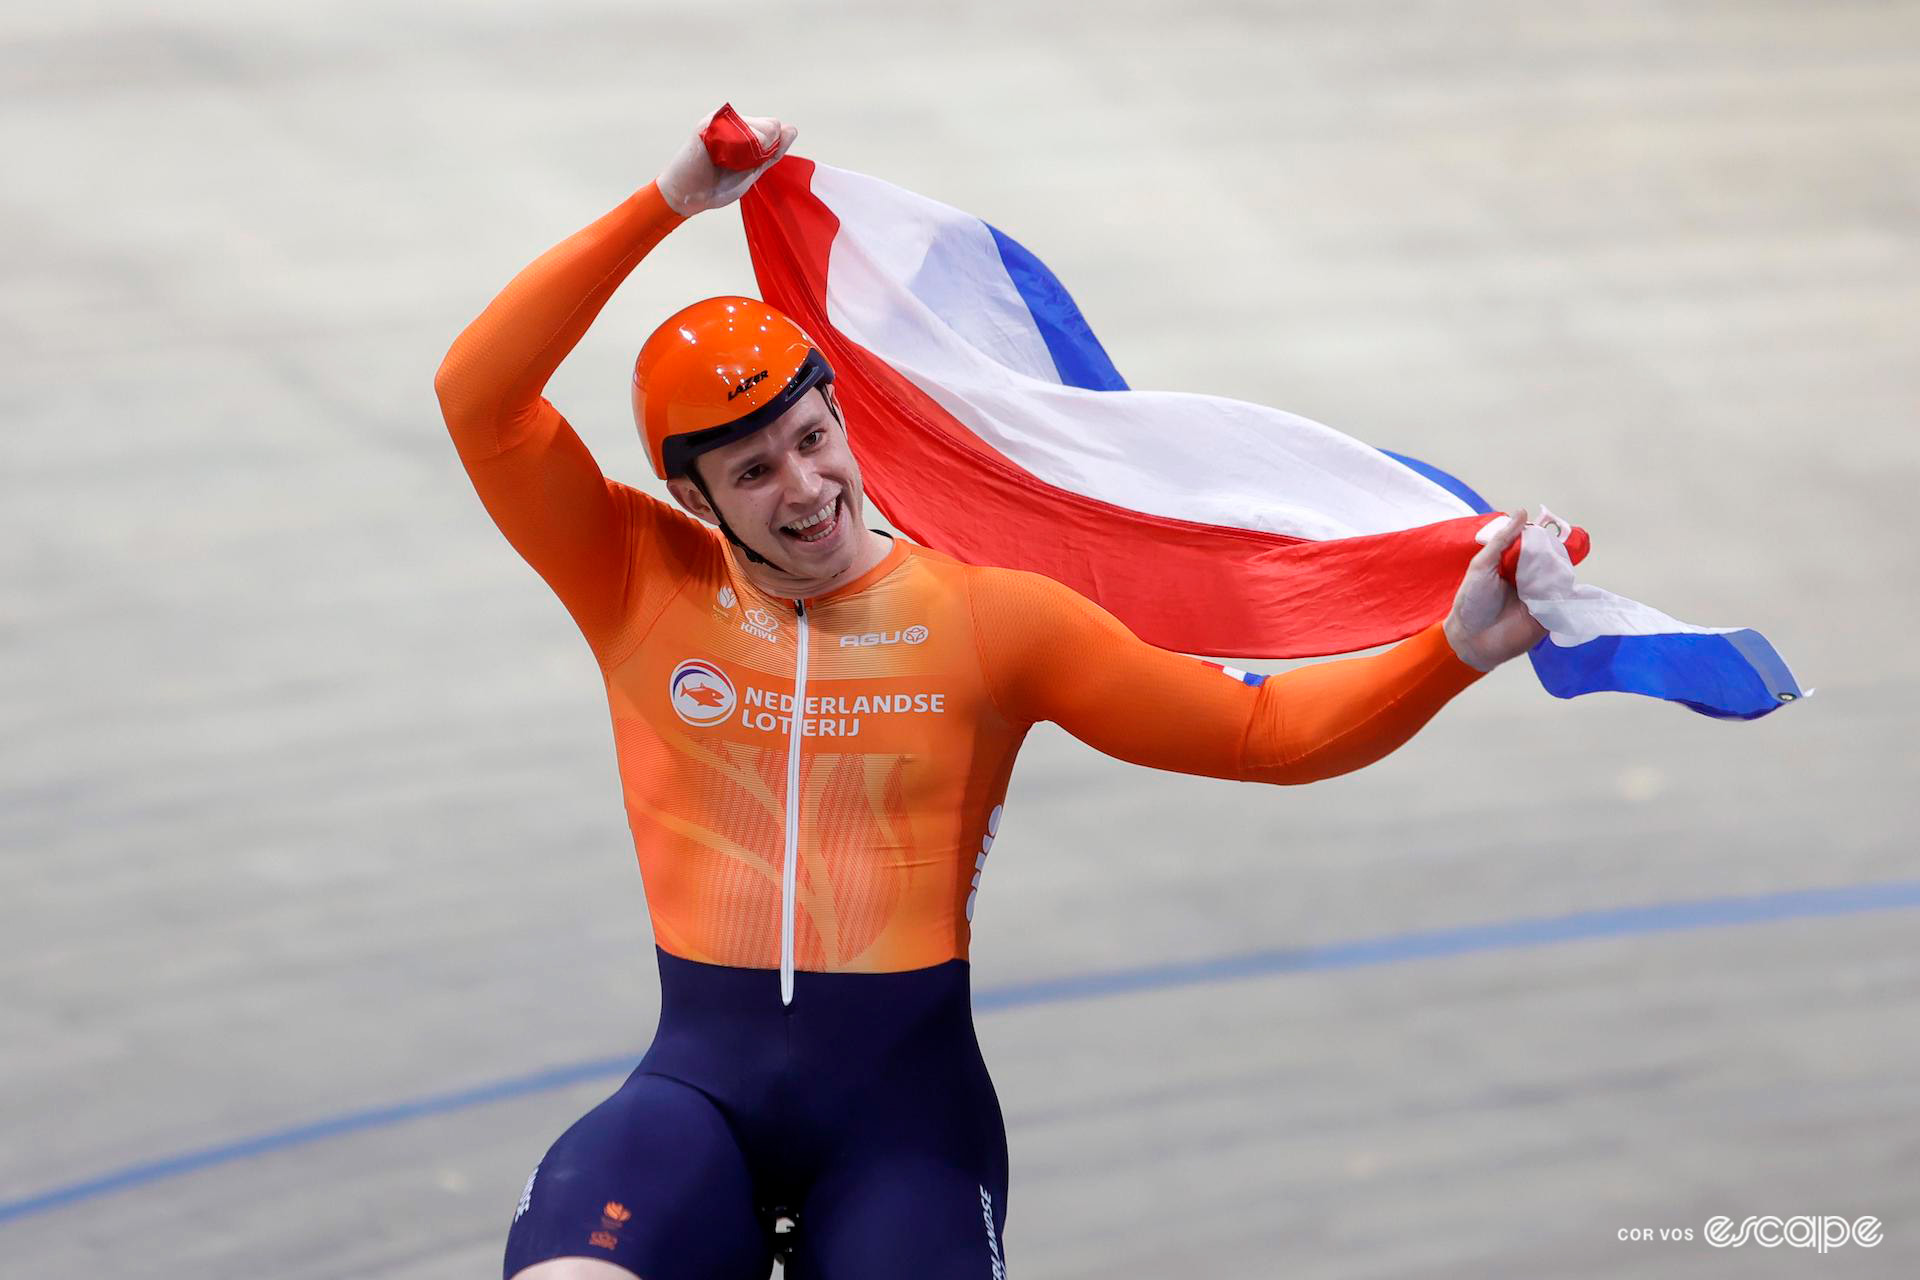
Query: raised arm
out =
(1052, 654)
(537, 479)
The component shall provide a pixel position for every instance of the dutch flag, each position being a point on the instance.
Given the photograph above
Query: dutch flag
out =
(990, 423)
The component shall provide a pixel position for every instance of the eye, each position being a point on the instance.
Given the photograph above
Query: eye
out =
(751, 474)
(813, 438)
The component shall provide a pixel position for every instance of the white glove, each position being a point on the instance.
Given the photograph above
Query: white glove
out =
(692, 182)
(1488, 623)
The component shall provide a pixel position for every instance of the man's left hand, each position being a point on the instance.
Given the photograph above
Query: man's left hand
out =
(1488, 624)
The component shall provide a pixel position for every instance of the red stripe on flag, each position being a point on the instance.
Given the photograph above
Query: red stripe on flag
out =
(1178, 584)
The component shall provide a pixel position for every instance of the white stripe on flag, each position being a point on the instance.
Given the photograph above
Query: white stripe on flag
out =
(1205, 459)
(1572, 611)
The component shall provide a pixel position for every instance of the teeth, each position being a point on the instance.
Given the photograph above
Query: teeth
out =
(801, 525)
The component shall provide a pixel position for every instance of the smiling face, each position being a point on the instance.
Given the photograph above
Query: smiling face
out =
(790, 491)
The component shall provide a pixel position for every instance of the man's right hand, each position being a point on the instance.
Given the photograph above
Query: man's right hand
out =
(692, 182)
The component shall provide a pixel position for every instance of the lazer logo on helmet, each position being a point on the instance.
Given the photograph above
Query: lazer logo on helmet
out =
(748, 385)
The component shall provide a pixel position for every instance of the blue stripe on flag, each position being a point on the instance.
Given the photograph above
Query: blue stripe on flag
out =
(1731, 676)
(1253, 678)
(1455, 487)
(1076, 353)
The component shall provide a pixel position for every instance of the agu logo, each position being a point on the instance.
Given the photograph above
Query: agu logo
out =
(700, 692)
(915, 634)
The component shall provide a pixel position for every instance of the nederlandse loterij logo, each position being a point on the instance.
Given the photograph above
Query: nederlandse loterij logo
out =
(701, 693)
(997, 1268)
(725, 598)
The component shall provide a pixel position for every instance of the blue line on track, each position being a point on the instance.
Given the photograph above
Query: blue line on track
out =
(1399, 948)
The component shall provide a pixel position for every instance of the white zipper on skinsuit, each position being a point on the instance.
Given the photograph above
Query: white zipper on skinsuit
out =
(787, 868)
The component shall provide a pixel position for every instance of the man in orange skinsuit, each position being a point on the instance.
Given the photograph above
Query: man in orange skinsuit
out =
(815, 724)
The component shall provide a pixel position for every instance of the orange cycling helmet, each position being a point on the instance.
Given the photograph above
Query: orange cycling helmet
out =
(717, 372)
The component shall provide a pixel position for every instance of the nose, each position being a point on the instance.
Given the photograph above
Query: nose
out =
(803, 487)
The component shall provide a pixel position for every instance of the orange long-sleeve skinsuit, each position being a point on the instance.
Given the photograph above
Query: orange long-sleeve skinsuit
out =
(855, 847)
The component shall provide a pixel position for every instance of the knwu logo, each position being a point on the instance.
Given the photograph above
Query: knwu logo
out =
(915, 634)
(758, 622)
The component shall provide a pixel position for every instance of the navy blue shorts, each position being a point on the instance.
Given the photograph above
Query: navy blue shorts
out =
(862, 1109)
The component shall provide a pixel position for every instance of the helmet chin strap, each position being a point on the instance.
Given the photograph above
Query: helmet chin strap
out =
(693, 473)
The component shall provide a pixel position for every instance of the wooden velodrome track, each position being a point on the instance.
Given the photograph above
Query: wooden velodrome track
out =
(319, 913)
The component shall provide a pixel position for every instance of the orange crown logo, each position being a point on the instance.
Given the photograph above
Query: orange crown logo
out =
(617, 1211)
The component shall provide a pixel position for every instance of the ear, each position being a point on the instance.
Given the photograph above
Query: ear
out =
(688, 495)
